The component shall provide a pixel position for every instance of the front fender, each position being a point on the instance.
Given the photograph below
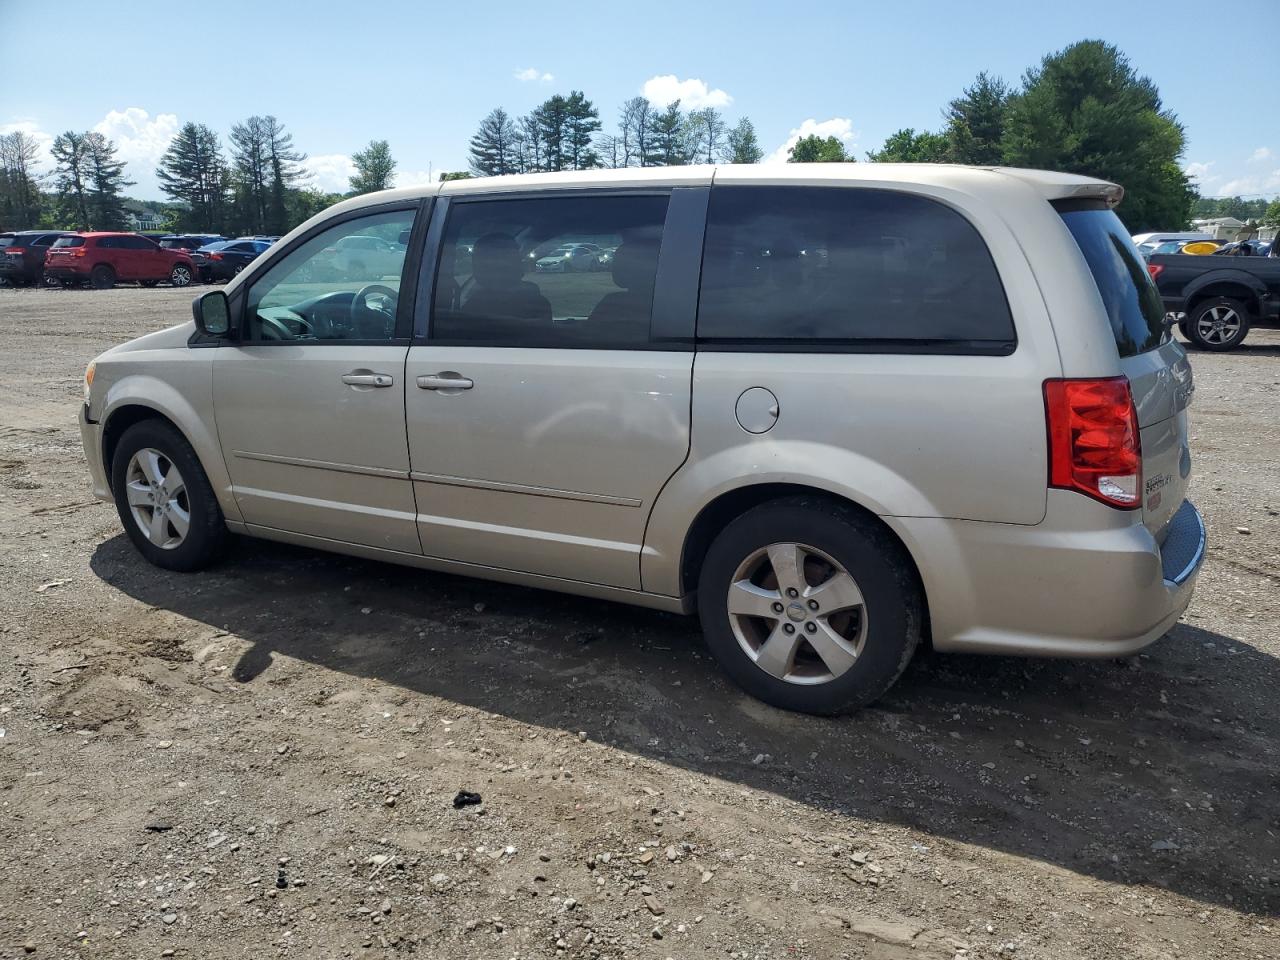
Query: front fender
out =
(831, 469)
(184, 396)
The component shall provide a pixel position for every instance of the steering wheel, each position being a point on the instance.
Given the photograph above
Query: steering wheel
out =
(359, 303)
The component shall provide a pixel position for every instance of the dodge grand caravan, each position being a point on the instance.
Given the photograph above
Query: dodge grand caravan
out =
(836, 410)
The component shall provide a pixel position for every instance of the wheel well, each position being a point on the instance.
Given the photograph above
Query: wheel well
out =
(727, 507)
(120, 421)
(1226, 288)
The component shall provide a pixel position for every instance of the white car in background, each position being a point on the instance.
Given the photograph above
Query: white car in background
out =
(367, 256)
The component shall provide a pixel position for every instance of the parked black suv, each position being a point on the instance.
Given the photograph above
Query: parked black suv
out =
(22, 255)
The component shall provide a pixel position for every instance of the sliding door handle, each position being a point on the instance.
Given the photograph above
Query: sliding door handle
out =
(447, 380)
(368, 379)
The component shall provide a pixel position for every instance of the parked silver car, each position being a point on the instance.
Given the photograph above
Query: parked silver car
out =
(838, 410)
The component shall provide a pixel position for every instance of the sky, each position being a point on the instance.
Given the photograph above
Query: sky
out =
(422, 75)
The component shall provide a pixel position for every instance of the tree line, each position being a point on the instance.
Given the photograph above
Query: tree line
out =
(566, 133)
(257, 185)
(1082, 110)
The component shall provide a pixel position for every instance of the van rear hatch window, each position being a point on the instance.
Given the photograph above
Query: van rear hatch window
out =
(69, 242)
(1131, 299)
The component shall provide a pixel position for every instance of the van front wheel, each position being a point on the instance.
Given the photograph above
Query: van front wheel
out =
(810, 606)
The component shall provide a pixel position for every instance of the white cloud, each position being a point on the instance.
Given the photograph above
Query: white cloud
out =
(416, 178)
(1250, 186)
(140, 139)
(839, 127)
(1202, 173)
(533, 75)
(1262, 153)
(44, 140)
(330, 172)
(693, 94)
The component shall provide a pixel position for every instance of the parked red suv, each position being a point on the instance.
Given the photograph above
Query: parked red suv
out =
(103, 259)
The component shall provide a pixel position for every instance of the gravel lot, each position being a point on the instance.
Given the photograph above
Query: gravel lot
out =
(260, 760)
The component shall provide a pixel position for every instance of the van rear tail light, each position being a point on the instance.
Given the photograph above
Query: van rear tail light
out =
(1155, 269)
(78, 252)
(1094, 444)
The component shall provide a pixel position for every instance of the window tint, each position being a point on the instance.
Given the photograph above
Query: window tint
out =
(867, 267)
(69, 242)
(1131, 299)
(554, 272)
(323, 291)
(137, 243)
(8, 241)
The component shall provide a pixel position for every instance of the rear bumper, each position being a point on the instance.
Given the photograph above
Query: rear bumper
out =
(91, 440)
(60, 272)
(1083, 583)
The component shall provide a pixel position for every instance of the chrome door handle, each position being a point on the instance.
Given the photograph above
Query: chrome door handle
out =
(369, 379)
(448, 380)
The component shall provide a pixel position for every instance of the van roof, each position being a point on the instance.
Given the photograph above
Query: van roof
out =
(1050, 185)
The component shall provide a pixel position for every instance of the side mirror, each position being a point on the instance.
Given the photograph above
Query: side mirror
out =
(212, 313)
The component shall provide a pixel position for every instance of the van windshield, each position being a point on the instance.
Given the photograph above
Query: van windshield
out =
(1131, 299)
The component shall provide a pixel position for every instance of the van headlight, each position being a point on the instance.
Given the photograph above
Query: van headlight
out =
(88, 379)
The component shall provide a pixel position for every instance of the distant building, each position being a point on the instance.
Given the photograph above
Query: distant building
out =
(1220, 228)
(141, 221)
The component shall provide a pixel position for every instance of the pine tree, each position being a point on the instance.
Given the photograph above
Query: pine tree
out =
(375, 168)
(1085, 110)
(669, 145)
(741, 145)
(72, 179)
(975, 121)
(107, 184)
(552, 119)
(493, 148)
(193, 171)
(285, 165)
(582, 122)
(250, 175)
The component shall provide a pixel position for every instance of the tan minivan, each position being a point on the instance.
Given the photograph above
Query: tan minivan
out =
(835, 409)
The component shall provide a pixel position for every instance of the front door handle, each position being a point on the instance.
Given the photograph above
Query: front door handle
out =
(448, 380)
(368, 379)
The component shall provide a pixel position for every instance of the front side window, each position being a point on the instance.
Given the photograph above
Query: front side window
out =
(326, 291)
(872, 269)
(549, 272)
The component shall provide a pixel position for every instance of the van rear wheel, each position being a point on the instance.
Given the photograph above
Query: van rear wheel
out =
(102, 277)
(1218, 324)
(810, 606)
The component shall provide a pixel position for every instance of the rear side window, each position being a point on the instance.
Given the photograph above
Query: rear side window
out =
(549, 272)
(870, 270)
(1131, 299)
(69, 242)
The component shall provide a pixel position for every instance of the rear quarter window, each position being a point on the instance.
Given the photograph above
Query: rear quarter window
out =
(1132, 302)
(870, 270)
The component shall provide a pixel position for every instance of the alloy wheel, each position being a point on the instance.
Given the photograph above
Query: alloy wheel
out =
(797, 613)
(158, 498)
(1218, 324)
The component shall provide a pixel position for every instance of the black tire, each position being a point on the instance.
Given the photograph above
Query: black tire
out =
(207, 531)
(102, 277)
(181, 276)
(893, 603)
(1202, 315)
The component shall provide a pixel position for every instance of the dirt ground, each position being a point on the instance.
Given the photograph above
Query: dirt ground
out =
(260, 760)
